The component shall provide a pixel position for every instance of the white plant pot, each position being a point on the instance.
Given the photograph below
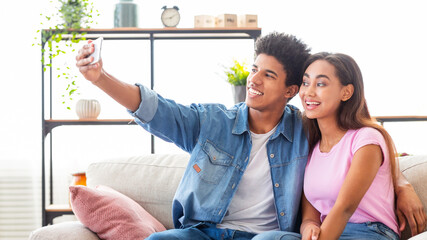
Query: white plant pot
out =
(88, 108)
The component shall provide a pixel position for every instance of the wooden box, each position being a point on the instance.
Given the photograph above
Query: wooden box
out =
(247, 21)
(204, 21)
(226, 20)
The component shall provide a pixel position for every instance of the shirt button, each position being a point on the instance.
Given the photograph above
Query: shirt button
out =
(234, 185)
(214, 158)
(276, 185)
(282, 214)
(271, 155)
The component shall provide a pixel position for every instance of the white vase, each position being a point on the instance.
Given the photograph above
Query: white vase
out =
(88, 108)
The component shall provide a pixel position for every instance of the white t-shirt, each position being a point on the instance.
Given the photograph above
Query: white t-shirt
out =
(252, 208)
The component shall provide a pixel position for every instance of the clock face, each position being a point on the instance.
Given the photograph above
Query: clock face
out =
(170, 17)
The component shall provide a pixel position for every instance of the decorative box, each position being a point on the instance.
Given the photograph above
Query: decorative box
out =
(204, 21)
(247, 21)
(226, 20)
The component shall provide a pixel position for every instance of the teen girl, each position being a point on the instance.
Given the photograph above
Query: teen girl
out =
(350, 177)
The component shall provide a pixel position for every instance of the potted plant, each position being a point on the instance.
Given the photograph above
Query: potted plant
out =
(62, 33)
(236, 76)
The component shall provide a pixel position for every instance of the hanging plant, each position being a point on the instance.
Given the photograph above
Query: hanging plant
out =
(62, 33)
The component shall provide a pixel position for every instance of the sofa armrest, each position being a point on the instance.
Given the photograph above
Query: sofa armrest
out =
(421, 236)
(64, 231)
(414, 168)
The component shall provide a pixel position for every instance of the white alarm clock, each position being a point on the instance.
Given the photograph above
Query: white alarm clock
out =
(170, 16)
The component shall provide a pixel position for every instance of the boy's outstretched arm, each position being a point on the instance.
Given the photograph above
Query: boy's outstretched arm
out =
(125, 94)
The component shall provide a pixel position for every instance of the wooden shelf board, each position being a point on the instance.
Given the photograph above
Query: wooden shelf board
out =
(165, 29)
(165, 33)
(59, 208)
(400, 118)
(88, 120)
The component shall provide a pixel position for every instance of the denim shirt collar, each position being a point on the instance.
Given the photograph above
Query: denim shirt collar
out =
(285, 126)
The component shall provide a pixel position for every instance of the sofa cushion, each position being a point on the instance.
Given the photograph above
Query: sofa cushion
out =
(150, 180)
(421, 236)
(414, 168)
(64, 231)
(112, 215)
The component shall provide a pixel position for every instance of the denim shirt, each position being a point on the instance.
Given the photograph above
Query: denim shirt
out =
(219, 142)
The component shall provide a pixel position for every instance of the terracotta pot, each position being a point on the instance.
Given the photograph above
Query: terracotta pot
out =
(79, 178)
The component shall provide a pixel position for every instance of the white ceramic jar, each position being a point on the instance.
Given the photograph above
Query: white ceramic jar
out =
(88, 108)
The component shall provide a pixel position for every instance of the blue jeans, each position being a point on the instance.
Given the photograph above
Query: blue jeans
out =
(208, 231)
(352, 231)
(368, 230)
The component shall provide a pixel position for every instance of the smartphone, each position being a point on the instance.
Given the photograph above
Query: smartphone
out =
(97, 53)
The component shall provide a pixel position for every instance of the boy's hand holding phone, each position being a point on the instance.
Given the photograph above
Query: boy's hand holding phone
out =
(91, 70)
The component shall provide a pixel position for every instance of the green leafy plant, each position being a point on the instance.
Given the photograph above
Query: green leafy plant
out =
(62, 32)
(237, 73)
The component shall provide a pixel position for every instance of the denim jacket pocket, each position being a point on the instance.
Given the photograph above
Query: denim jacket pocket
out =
(212, 163)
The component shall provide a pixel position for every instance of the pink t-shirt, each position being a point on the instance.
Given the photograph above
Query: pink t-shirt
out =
(325, 174)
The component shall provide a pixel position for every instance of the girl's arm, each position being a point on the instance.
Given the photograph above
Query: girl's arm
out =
(310, 227)
(364, 167)
(409, 206)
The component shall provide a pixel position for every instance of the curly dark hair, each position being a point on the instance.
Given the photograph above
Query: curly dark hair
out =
(288, 50)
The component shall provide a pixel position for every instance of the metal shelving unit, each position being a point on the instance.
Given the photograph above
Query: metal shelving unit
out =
(51, 211)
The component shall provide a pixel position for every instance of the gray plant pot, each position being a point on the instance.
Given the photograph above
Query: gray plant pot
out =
(239, 93)
(126, 14)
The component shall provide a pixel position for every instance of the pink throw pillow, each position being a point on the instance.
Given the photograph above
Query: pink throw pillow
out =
(112, 215)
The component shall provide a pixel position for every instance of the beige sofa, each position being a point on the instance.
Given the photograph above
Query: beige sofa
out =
(152, 180)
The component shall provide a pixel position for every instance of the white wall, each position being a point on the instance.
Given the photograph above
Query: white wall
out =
(387, 38)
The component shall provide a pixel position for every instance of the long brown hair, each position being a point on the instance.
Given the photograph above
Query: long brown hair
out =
(353, 113)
